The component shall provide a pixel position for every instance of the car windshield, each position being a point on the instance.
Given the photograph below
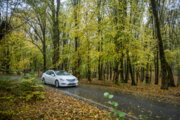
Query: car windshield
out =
(62, 73)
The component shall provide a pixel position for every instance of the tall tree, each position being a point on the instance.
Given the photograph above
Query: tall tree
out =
(76, 5)
(164, 65)
(99, 18)
(37, 22)
(54, 6)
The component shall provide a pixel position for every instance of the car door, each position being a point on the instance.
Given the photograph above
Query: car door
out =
(52, 78)
(47, 76)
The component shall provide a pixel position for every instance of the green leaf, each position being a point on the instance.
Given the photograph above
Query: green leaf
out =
(106, 94)
(109, 102)
(121, 114)
(115, 104)
(110, 96)
(114, 110)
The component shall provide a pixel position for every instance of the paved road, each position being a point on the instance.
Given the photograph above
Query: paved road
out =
(128, 103)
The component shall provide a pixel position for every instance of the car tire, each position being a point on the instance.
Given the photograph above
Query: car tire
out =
(56, 84)
(44, 81)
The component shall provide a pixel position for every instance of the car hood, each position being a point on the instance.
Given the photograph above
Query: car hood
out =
(64, 77)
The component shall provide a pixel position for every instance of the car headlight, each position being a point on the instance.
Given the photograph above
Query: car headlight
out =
(61, 79)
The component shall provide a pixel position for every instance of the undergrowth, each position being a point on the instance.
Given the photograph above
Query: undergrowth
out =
(13, 91)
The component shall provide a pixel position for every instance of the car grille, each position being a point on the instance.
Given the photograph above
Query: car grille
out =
(72, 84)
(70, 80)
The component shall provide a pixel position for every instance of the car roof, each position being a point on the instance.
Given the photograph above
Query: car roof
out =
(54, 70)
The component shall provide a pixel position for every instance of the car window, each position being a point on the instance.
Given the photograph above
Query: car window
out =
(61, 72)
(48, 72)
(51, 72)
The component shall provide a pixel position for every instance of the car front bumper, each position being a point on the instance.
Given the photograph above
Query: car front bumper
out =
(64, 84)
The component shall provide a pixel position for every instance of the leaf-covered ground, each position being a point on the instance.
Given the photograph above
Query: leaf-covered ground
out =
(58, 106)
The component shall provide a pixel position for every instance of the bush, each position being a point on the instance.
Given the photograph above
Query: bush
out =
(27, 88)
(11, 90)
(30, 88)
(6, 84)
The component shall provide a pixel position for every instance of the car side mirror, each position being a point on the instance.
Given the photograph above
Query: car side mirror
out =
(53, 75)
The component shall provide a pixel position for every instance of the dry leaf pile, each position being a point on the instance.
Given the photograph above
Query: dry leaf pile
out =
(58, 106)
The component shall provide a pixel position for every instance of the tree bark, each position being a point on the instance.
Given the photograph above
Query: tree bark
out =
(131, 71)
(142, 74)
(157, 68)
(100, 63)
(122, 69)
(56, 32)
(77, 44)
(127, 71)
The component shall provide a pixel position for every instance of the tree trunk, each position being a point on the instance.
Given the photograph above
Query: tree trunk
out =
(44, 51)
(121, 69)
(165, 68)
(142, 74)
(157, 68)
(127, 71)
(77, 55)
(116, 73)
(56, 32)
(137, 76)
(100, 63)
(147, 74)
(110, 72)
(131, 70)
(170, 76)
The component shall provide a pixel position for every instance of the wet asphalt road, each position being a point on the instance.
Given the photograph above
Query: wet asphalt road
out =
(128, 103)
(137, 105)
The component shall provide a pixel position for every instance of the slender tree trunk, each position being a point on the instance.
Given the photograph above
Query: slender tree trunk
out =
(77, 54)
(56, 32)
(100, 63)
(157, 68)
(116, 73)
(44, 50)
(131, 71)
(88, 60)
(110, 72)
(150, 77)
(122, 69)
(147, 74)
(89, 70)
(127, 71)
(137, 76)
(142, 74)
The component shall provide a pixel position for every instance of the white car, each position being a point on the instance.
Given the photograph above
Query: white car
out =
(59, 78)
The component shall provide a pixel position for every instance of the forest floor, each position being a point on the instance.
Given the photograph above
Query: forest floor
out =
(55, 106)
(151, 91)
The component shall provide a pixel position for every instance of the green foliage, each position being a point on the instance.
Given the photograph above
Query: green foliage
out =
(115, 113)
(12, 90)
(6, 115)
(30, 88)
(27, 88)
(6, 84)
(143, 117)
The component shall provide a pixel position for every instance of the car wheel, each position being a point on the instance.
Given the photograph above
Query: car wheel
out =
(56, 83)
(44, 81)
